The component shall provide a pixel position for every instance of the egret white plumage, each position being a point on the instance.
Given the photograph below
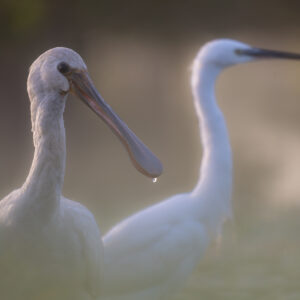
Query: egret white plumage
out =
(50, 247)
(151, 254)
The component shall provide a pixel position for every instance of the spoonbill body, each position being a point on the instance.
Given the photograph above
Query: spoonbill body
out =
(51, 247)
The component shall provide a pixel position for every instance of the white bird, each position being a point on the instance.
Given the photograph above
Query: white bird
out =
(50, 247)
(151, 254)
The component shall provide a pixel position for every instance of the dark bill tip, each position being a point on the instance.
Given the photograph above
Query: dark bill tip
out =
(264, 53)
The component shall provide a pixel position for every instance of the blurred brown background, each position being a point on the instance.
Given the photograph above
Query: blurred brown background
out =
(139, 55)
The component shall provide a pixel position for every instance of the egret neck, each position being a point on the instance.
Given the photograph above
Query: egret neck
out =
(215, 180)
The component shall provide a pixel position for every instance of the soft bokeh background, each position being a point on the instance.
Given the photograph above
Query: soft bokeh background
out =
(139, 54)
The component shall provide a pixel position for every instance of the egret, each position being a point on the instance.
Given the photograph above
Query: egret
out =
(50, 246)
(151, 254)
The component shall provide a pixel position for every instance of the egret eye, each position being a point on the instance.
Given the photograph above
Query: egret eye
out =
(238, 51)
(63, 68)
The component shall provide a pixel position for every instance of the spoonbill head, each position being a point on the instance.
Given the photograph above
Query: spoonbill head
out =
(60, 71)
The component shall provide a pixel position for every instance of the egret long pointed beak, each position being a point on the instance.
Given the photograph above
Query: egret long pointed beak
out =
(143, 159)
(264, 53)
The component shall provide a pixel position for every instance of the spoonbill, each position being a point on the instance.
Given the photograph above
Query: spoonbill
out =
(151, 254)
(50, 246)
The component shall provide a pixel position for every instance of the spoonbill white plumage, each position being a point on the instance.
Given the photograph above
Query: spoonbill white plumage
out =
(50, 247)
(150, 254)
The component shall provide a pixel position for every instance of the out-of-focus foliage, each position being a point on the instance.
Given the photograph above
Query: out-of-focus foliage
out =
(18, 18)
(32, 17)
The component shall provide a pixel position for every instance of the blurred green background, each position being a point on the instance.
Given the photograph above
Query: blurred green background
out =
(139, 55)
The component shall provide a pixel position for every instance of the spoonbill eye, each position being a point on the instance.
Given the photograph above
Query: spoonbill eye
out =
(63, 68)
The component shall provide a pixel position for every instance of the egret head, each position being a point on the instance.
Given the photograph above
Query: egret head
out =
(223, 53)
(60, 71)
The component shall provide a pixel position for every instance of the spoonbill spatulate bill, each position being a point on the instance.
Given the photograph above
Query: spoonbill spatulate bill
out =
(151, 254)
(51, 247)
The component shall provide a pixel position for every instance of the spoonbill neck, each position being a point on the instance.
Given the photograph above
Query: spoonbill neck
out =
(45, 179)
(215, 179)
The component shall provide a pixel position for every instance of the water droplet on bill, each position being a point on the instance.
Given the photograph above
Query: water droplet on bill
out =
(154, 180)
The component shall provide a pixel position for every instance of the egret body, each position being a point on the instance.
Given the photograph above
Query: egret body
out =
(50, 247)
(149, 255)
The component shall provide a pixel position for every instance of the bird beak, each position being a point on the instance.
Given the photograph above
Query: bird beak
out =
(263, 53)
(143, 159)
